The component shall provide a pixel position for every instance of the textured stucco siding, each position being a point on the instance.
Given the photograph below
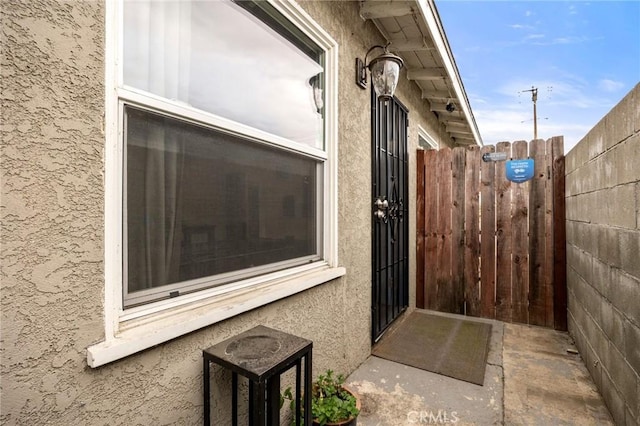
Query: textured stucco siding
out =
(603, 255)
(52, 208)
(52, 238)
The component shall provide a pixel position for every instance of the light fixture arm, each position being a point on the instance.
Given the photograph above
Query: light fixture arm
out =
(377, 46)
(361, 66)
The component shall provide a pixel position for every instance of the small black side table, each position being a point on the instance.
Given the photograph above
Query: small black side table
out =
(261, 354)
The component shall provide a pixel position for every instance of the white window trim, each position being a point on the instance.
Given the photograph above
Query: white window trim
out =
(144, 327)
(422, 133)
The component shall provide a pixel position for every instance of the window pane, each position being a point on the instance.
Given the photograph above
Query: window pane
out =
(200, 203)
(219, 57)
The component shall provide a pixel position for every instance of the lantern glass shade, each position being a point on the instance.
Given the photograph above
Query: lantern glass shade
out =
(385, 71)
(318, 97)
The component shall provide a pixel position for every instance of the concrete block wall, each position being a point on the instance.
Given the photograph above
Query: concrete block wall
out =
(603, 255)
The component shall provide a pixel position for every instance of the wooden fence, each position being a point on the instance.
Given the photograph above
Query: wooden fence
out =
(489, 247)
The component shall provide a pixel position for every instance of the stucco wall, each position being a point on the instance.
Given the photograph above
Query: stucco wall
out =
(53, 223)
(603, 255)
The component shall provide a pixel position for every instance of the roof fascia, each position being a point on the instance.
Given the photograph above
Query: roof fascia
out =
(434, 24)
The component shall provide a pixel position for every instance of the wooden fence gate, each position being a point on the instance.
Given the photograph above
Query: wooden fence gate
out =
(489, 247)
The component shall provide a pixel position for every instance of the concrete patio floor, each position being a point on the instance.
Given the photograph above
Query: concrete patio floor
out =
(530, 379)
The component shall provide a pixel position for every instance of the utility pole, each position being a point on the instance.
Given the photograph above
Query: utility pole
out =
(534, 99)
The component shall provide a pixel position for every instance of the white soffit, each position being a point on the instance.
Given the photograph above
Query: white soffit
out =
(416, 34)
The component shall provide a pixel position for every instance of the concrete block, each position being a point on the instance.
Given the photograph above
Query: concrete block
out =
(613, 399)
(626, 160)
(606, 319)
(630, 252)
(576, 308)
(570, 160)
(638, 402)
(581, 235)
(571, 324)
(592, 362)
(578, 156)
(574, 234)
(571, 231)
(579, 207)
(631, 420)
(572, 213)
(622, 118)
(601, 278)
(593, 302)
(608, 245)
(611, 206)
(623, 377)
(589, 177)
(632, 400)
(616, 337)
(588, 238)
(579, 286)
(621, 206)
(571, 184)
(609, 166)
(602, 172)
(594, 210)
(580, 261)
(597, 137)
(573, 258)
(635, 105)
(625, 295)
(632, 345)
(638, 206)
(597, 339)
(619, 121)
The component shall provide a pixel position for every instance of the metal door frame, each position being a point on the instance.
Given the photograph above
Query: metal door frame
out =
(390, 213)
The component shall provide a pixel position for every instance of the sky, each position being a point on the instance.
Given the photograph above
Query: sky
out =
(583, 57)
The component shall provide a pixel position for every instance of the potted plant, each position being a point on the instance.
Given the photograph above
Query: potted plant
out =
(332, 403)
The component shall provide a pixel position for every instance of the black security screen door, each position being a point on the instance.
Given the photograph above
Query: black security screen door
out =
(389, 213)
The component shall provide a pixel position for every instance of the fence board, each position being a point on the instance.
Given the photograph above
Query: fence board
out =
(443, 271)
(547, 267)
(559, 235)
(537, 244)
(472, 231)
(420, 231)
(457, 229)
(487, 235)
(503, 238)
(430, 236)
(519, 241)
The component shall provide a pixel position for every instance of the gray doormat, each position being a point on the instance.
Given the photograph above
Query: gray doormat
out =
(448, 346)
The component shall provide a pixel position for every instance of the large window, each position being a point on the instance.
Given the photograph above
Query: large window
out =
(220, 164)
(205, 206)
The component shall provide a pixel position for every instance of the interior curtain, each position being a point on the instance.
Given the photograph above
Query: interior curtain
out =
(159, 61)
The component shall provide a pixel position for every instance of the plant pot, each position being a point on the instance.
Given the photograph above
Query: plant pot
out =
(352, 421)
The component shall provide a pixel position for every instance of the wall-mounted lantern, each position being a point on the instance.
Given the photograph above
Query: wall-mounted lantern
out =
(385, 70)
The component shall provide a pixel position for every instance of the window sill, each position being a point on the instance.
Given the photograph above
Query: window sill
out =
(145, 333)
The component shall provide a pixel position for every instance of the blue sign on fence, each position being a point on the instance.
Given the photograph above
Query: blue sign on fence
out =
(519, 171)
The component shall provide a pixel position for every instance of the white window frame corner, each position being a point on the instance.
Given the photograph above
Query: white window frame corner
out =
(422, 133)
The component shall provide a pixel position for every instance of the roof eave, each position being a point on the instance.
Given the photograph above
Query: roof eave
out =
(428, 46)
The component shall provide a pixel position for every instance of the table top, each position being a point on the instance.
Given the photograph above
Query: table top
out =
(258, 353)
